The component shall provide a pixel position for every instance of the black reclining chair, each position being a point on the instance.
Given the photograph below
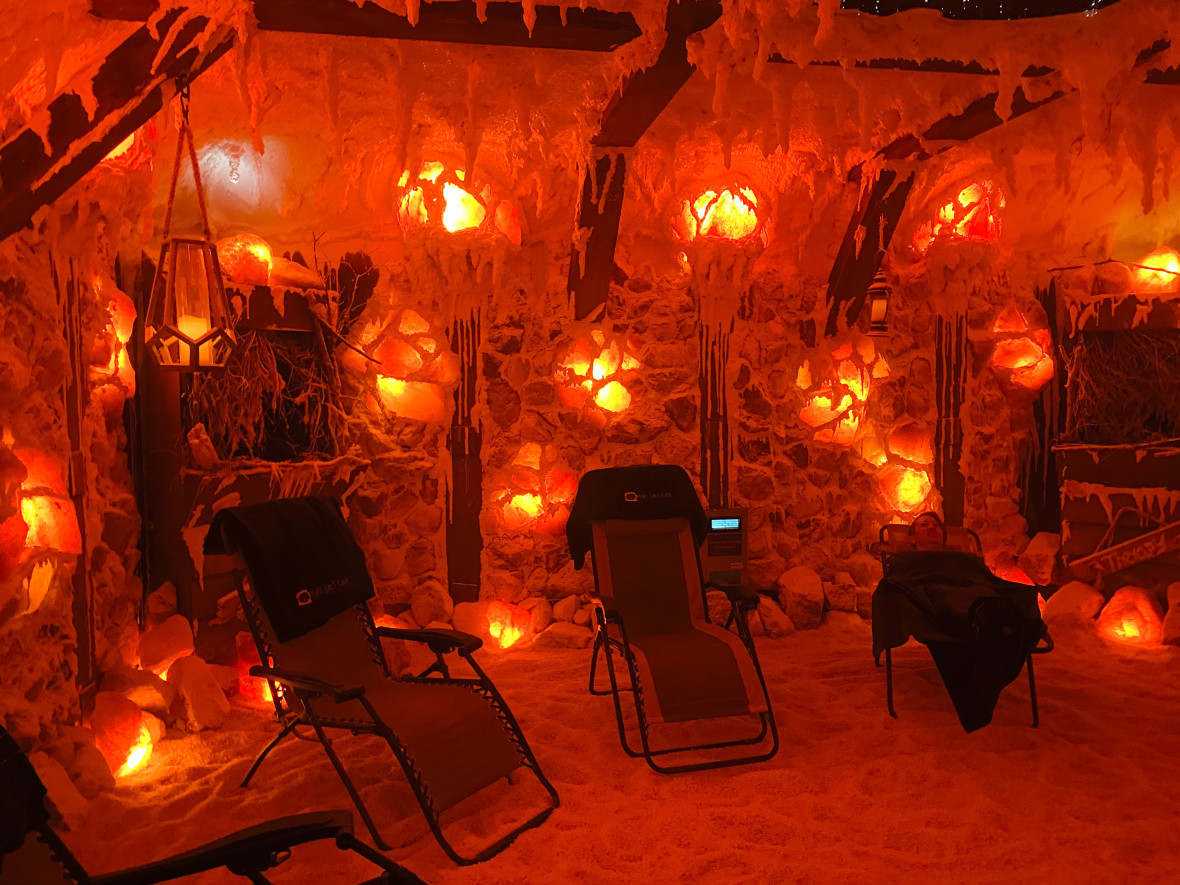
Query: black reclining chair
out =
(31, 852)
(645, 526)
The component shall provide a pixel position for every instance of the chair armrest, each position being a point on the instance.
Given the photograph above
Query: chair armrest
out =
(1047, 647)
(439, 641)
(255, 849)
(308, 683)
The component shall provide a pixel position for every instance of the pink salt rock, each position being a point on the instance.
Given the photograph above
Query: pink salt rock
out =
(200, 702)
(563, 634)
(801, 592)
(90, 772)
(774, 619)
(62, 794)
(165, 643)
(1039, 558)
(115, 723)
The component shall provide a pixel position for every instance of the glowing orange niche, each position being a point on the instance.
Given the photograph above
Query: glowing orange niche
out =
(444, 199)
(592, 372)
(904, 489)
(1158, 272)
(1131, 617)
(413, 371)
(539, 490)
(1023, 353)
(835, 407)
(974, 214)
(720, 214)
(507, 623)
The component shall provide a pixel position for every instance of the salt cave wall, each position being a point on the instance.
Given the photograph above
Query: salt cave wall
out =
(69, 592)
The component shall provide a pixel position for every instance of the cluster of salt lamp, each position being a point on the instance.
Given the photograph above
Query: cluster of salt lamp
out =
(442, 198)
(135, 150)
(1023, 353)
(112, 378)
(46, 505)
(538, 490)
(248, 259)
(414, 373)
(834, 406)
(1158, 272)
(730, 213)
(507, 623)
(592, 373)
(974, 214)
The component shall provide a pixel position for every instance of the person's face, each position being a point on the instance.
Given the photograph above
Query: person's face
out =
(928, 533)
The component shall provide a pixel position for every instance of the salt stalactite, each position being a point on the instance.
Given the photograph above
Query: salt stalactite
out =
(473, 124)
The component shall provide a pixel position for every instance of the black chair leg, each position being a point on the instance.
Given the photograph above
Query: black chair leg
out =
(889, 682)
(287, 729)
(1032, 693)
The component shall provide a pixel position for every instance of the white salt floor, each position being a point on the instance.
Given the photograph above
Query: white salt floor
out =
(1091, 796)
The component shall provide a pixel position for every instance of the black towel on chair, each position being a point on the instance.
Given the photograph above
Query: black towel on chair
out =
(304, 563)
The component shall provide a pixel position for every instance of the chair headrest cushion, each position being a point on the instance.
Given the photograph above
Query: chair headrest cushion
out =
(305, 565)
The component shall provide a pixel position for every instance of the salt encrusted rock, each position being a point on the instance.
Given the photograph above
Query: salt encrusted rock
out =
(1129, 602)
(439, 625)
(115, 723)
(754, 623)
(63, 751)
(161, 603)
(1172, 618)
(90, 771)
(540, 612)
(774, 619)
(226, 676)
(865, 569)
(840, 594)
(584, 617)
(69, 803)
(165, 643)
(420, 558)
(388, 563)
(1075, 600)
(1039, 559)
(142, 687)
(471, 617)
(719, 606)
(562, 634)
(565, 609)
(200, 701)
(154, 725)
(431, 602)
(801, 593)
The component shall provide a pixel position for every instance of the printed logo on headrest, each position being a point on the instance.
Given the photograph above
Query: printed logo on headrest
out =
(303, 597)
(630, 496)
(635, 497)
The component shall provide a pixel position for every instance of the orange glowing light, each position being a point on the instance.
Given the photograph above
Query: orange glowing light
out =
(245, 258)
(820, 409)
(613, 397)
(974, 214)
(412, 323)
(521, 510)
(904, 488)
(854, 378)
(507, 623)
(417, 400)
(140, 753)
(726, 214)
(1159, 271)
(1027, 357)
(1131, 617)
(463, 211)
(588, 374)
(445, 199)
(843, 433)
(52, 522)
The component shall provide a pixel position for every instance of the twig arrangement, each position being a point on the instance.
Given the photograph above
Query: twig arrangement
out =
(1123, 388)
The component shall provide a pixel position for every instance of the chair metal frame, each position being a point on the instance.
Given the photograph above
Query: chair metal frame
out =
(968, 542)
(305, 688)
(741, 602)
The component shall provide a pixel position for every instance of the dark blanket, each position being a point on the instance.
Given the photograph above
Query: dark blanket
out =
(647, 491)
(305, 565)
(979, 628)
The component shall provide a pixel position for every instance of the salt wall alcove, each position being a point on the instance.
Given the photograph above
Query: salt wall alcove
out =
(834, 297)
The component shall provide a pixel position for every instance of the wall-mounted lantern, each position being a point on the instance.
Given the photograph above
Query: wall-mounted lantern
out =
(878, 297)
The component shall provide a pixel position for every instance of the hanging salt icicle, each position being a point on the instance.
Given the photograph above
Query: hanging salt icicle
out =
(472, 127)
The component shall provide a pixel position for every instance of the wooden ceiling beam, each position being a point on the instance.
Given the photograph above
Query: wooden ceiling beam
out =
(128, 90)
(588, 30)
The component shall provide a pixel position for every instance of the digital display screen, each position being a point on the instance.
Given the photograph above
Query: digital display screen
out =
(725, 524)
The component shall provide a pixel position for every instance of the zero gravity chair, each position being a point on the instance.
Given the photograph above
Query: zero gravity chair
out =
(645, 525)
(303, 584)
(980, 629)
(32, 853)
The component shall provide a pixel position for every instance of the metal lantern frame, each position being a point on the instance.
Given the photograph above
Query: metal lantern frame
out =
(188, 326)
(878, 296)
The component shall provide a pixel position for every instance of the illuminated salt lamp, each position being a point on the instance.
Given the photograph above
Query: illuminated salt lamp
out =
(974, 214)
(1026, 357)
(719, 214)
(254, 689)
(613, 397)
(1132, 616)
(418, 400)
(120, 732)
(854, 378)
(1158, 272)
(521, 510)
(443, 198)
(589, 374)
(904, 489)
(139, 754)
(45, 505)
(560, 485)
(411, 323)
(398, 358)
(245, 258)
(507, 623)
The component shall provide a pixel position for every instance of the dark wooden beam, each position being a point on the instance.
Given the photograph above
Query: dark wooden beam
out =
(590, 30)
(128, 91)
(979, 9)
(602, 206)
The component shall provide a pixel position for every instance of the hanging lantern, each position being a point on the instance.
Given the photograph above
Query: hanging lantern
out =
(188, 326)
(879, 292)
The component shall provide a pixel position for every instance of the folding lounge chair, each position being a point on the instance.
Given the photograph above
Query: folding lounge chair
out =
(31, 852)
(645, 526)
(303, 584)
(896, 538)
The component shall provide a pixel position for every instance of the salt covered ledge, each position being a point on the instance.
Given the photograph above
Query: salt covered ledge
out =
(1092, 795)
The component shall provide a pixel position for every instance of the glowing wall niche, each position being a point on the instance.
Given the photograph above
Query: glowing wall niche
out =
(974, 214)
(443, 199)
(835, 406)
(594, 373)
(1022, 354)
(722, 213)
(414, 373)
(537, 490)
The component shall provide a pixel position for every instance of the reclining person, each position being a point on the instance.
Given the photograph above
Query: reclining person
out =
(979, 628)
